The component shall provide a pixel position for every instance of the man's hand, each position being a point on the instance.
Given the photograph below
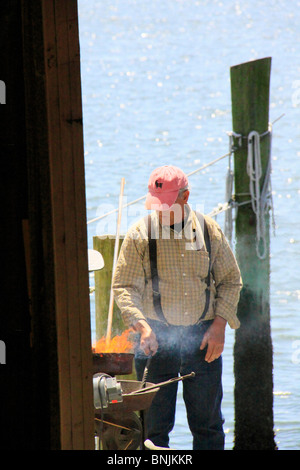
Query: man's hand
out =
(214, 338)
(148, 341)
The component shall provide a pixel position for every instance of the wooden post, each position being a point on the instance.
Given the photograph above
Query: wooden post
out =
(115, 259)
(105, 245)
(253, 357)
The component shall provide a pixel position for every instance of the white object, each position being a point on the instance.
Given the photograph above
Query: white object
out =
(149, 445)
(95, 260)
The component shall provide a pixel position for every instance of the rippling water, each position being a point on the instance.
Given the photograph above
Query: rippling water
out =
(156, 90)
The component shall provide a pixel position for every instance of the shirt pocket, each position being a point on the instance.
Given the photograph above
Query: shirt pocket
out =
(197, 263)
(168, 260)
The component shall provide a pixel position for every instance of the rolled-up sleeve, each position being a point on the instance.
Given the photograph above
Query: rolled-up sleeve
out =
(129, 282)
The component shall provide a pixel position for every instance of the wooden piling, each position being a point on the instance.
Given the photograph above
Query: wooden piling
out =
(253, 355)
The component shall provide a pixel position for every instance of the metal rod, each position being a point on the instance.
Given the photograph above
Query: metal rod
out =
(129, 443)
(145, 375)
(167, 382)
(113, 424)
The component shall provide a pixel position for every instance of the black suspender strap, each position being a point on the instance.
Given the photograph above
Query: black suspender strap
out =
(207, 280)
(154, 275)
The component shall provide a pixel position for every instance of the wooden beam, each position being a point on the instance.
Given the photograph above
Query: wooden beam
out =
(63, 95)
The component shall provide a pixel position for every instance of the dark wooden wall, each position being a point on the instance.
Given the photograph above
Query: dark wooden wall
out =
(46, 386)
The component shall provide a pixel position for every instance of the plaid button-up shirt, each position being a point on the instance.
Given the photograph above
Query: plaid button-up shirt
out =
(182, 263)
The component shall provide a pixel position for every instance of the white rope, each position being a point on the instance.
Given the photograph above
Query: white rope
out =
(219, 209)
(228, 228)
(226, 206)
(261, 200)
(254, 172)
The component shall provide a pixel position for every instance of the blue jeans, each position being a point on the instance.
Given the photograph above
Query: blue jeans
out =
(179, 353)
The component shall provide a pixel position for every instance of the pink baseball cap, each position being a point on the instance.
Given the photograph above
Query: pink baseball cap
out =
(164, 185)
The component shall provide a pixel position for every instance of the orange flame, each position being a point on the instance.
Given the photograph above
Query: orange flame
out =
(118, 344)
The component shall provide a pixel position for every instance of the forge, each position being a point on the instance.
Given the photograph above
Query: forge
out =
(120, 415)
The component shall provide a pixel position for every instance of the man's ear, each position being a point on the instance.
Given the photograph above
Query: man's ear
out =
(186, 195)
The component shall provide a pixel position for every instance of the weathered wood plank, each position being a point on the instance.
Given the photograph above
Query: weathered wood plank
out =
(69, 223)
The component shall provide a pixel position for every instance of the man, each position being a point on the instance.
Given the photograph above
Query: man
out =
(183, 325)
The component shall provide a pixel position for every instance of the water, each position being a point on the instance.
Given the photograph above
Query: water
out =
(156, 90)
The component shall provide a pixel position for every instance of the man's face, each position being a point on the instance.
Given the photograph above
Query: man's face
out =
(175, 214)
